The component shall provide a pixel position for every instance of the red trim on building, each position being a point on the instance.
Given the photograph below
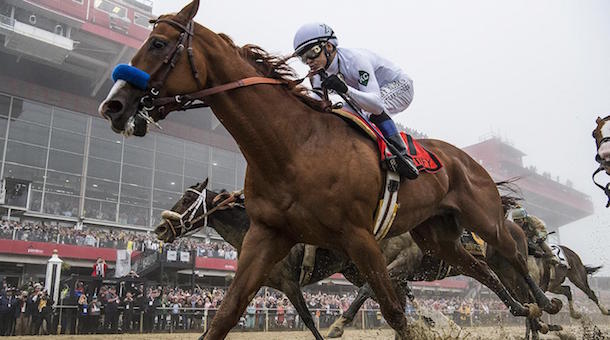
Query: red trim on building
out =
(216, 264)
(63, 250)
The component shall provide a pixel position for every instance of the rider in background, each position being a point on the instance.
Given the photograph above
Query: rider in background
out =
(536, 233)
(375, 84)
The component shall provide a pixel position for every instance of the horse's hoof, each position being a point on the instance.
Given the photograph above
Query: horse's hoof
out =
(534, 311)
(556, 306)
(555, 328)
(335, 332)
(544, 328)
(576, 315)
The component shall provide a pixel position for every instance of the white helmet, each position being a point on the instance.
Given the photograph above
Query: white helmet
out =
(312, 33)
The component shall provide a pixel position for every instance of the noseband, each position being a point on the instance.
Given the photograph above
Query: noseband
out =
(187, 226)
(152, 84)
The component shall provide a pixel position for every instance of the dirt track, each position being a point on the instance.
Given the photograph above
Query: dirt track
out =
(483, 333)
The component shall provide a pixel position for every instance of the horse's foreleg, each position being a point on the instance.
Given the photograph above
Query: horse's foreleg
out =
(491, 228)
(336, 329)
(294, 294)
(364, 251)
(567, 292)
(261, 249)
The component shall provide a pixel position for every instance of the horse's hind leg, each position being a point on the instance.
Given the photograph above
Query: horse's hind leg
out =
(432, 236)
(487, 221)
(579, 279)
(363, 250)
(261, 249)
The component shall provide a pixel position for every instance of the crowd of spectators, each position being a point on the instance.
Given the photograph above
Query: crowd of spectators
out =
(91, 236)
(91, 309)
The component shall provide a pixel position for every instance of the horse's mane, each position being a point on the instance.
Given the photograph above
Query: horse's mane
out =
(510, 193)
(275, 67)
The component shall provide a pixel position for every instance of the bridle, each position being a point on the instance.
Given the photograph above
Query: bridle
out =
(151, 100)
(187, 225)
(602, 163)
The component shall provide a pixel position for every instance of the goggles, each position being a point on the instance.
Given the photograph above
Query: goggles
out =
(312, 53)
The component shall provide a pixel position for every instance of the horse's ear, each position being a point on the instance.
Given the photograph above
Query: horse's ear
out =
(204, 184)
(599, 119)
(188, 12)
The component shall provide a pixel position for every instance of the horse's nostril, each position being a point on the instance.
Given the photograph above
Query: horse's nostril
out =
(114, 106)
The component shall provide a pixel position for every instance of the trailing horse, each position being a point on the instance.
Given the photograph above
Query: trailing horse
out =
(551, 278)
(311, 178)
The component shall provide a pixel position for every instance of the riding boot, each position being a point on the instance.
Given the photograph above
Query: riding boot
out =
(406, 167)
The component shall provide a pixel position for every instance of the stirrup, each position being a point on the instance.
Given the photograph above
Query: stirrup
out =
(405, 166)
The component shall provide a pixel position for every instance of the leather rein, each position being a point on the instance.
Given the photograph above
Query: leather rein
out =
(182, 102)
(605, 189)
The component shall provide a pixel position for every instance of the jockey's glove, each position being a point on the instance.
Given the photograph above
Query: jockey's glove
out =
(334, 83)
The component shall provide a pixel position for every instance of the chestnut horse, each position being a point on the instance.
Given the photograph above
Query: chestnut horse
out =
(311, 178)
(602, 142)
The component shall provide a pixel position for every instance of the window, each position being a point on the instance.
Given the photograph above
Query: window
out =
(26, 154)
(100, 210)
(78, 1)
(100, 168)
(142, 20)
(102, 189)
(111, 8)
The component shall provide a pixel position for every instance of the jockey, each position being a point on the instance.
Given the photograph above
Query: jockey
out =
(536, 232)
(375, 84)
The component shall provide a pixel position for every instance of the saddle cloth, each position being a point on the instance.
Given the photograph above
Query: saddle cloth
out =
(473, 244)
(424, 160)
(558, 251)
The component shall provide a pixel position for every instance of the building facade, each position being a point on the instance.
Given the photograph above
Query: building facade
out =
(57, 58)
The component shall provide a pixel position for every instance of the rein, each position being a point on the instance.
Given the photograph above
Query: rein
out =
(151, 100)
(605, 189)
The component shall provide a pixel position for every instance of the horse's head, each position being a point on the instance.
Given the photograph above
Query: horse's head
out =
(602, 141)
(192, 211)
(166, 66)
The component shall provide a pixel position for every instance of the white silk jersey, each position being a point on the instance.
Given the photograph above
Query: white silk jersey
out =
(365, 74)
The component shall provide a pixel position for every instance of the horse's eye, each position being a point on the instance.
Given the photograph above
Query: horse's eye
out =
(158, 44)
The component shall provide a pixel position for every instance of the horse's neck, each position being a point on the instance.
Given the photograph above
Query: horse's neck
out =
(232, 229)
(261, 118)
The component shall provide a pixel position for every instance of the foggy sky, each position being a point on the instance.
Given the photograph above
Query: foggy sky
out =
(536, 73)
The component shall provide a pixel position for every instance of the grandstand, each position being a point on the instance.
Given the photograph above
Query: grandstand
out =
(69, 181)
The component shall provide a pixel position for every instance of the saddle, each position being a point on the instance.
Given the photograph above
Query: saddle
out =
(425, 160)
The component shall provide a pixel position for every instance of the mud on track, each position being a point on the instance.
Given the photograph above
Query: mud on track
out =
(483, 333)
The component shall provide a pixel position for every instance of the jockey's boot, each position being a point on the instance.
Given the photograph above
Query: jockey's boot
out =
(386, 125)
(406, 167)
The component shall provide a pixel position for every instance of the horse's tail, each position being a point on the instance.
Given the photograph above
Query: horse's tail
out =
(512, 194)
(592, 270)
